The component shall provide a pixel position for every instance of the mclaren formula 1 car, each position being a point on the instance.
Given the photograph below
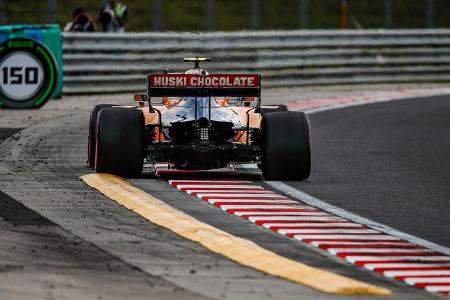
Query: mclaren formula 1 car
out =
(200, 121)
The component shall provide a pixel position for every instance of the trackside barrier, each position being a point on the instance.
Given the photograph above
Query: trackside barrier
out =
(111, 63)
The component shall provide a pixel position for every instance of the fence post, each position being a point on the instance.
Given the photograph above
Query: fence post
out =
(51, 11)
(388, 14)
(157, 10)
(344, 14)
(429, 14)
(303, 14)
(209, 15)
(255, 14)
(2, 12)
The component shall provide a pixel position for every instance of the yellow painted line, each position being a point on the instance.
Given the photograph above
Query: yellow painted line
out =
(235, 248)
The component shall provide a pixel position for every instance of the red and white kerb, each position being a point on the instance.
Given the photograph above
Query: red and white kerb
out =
(358, 244)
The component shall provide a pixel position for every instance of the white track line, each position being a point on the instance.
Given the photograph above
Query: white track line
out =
(335, 251)
(414, 280)
(269, 225)
(404, 265)
(420, 273)
(200, 186)
(310, 200)
(256, 196)
(303, 217)
(274, 200)
(275, 213)
(230, 192)
(256, 206)
(436, 289)
(345, 237)
(373, 243)
(327, 231)
(260, 201)
(356, 258)
(176, 181)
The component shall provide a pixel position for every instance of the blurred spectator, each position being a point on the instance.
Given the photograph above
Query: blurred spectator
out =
(113, 16)
(82, 21)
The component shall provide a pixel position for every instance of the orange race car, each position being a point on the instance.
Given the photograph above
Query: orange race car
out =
(203, 121)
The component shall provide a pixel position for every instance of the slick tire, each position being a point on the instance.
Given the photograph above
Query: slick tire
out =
(266, 110)
(119, 145)
(285, 146)
(93, 132)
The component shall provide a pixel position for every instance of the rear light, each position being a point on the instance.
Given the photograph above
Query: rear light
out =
(140, 97)
(204, 134)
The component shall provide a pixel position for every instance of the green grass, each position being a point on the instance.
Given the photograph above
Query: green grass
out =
(183, 15)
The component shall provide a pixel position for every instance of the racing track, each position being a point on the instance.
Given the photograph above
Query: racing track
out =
(387, 162)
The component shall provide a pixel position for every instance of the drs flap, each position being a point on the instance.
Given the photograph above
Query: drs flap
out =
(179, 85)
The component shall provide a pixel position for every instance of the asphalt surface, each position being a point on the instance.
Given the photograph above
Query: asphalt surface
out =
(40, 166)
(74, 243)
(388, 162)
(43, 259)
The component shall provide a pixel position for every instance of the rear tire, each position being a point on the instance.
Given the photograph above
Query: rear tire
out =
(93, 133)
(285, 145)
(120, 136)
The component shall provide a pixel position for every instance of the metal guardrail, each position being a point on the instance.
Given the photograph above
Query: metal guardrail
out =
(111, 63)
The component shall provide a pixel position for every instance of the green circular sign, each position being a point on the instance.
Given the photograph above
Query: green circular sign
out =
(28, 73)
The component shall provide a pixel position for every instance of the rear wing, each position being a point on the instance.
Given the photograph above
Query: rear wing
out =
(212, 85)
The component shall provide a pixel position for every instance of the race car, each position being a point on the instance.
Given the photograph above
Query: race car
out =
(200, 121)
